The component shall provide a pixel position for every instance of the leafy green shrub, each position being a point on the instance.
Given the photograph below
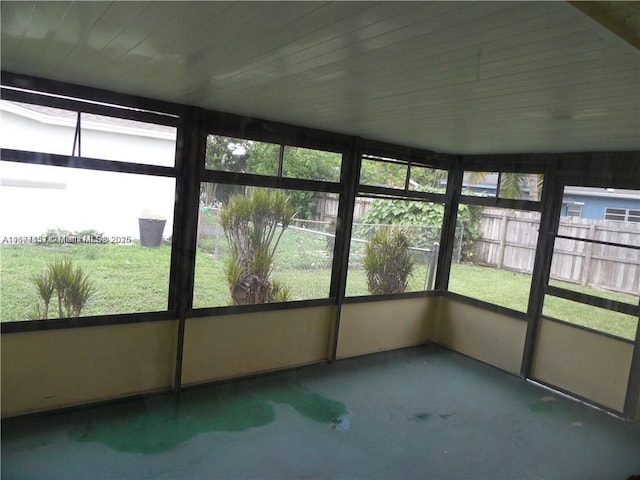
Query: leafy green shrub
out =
(253, 226)
(428, 214)
(387, 261)
(279, 292)
(71, 284)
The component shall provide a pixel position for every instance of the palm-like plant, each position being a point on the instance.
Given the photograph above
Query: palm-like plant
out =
(45, 288)
(71, 284)
(253, 225)
(387, 261)
(80, 290)
(514, 185)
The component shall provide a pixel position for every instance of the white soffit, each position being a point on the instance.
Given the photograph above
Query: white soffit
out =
(457, 77)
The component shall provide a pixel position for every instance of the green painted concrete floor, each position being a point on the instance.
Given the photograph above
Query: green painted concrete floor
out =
(423, 413)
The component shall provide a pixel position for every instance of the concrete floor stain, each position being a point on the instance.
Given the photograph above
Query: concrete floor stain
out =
(159, 425)
(422, 416)
(306, 403)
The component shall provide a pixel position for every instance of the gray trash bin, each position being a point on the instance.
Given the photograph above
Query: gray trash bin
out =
(151, 228)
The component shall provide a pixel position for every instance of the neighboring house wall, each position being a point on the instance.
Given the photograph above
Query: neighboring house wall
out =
(594, 207)
(43, 197)
(577, 201)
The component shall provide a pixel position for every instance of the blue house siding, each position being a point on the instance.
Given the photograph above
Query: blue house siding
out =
(589, 202)
(594, 207)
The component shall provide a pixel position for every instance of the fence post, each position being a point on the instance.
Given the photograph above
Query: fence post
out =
(433, 260)
(199, 227)
(586, 260)
(460, 242)
(503, 239)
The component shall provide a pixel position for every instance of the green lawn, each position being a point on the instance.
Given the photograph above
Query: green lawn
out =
(511, 289)
(130, 278)
(500, 287)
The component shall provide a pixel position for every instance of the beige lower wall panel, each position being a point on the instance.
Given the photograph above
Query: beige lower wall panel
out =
(229, 346)
(44, 370)
(488, 336)
(384, 325)
(593, 366)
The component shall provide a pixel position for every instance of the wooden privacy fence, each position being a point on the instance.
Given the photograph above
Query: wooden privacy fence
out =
(327, 206)
(508, 240)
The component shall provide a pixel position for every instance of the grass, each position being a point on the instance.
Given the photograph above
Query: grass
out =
(614, 323)
(130, 278)
(511, 289)
(500, 287)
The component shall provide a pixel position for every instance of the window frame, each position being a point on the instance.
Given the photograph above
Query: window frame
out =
(375, 151)
(228, 125)
(626, 215)
(572, 212)
(500, 164)
(579, 297)
(101, 103)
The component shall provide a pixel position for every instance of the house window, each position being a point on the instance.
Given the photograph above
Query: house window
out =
(574, 210)
(622, 214)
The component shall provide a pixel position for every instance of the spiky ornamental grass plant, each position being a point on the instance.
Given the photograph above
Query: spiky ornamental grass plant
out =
(71, 284)
(253, 225)
(387, 261)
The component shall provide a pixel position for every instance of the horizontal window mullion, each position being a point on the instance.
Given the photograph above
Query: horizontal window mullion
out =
(593, 300)
(44, 92)
(57, 160)
(389, 296)
(370, 191)
(375, 158)
(598, 242)
(234, 178)
(486, 305)
(527, 205)
(587, 329)
(92, 321)
(249, 128)
(259, 307)
(402, 154)
(507, 163)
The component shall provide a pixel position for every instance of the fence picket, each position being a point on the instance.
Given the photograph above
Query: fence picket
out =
(509, 240)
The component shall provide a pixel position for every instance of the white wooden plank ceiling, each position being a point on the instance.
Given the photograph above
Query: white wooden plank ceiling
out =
(457, 77)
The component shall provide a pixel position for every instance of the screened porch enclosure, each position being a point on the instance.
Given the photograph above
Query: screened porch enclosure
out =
(437, 196)
(501, 275)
